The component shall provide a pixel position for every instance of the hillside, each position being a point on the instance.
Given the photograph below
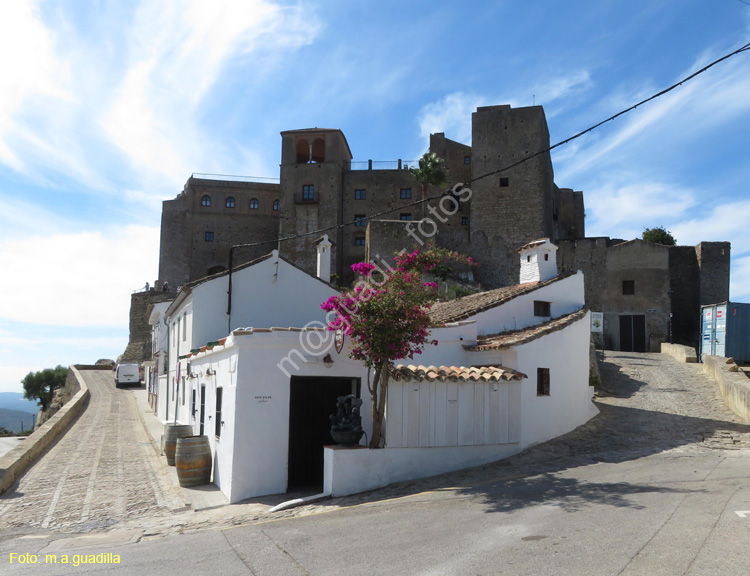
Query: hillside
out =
(16, 401)
(13, 419)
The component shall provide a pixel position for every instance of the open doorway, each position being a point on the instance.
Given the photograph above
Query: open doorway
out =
(312, 400)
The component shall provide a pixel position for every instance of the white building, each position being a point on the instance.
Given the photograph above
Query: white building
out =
(157, 366)
(510, 371)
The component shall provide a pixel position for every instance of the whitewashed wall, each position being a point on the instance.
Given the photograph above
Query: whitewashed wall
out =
(426, 414)
(566, 296)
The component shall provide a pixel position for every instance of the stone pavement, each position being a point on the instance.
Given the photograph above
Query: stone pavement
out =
(101, 471)
(112, 479)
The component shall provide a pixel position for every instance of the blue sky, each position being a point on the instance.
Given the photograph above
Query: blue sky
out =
(106, 108)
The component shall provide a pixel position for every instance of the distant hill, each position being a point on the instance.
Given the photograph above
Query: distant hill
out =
(16, 401)
(13, 419)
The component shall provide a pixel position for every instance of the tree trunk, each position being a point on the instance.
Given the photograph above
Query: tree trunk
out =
(378, 393)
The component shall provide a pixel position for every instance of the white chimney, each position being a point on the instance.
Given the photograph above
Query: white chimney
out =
(324, 258)
(538, 261)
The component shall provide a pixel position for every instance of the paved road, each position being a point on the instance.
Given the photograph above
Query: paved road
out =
(101, 472)
(653, 485)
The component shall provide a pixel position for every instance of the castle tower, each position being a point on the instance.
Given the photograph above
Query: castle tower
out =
(538, 261)
(313, 162)
(509, 207)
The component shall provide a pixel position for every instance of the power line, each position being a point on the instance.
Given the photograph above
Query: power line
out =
(525, 159)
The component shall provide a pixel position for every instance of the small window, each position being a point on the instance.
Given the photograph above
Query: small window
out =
(359, 240)
(308, 192)
(504, 182)
(254, 204)
(360, 220)
(546, 257)
(219, 392)
(184, 326)
(467, 159)
(542, 308)
(209, 236)
(360, 194)
(528, 258)
(206, 200)
(542, 381)
(229, 203)
(276, 205)
(405, 217)
(405, 194)
(464, 220)
(628, 287)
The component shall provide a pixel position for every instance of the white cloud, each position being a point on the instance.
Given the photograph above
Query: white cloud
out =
(723, 222)
(739, 280)
(452, 115)
(77, 279)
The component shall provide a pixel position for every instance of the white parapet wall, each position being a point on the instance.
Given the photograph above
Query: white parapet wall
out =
(734, 384)
(358, 469)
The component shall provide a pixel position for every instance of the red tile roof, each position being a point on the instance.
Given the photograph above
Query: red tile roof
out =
(463, 308)
(454, 373)
(518, 337)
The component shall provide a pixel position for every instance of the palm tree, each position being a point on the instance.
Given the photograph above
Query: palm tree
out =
(430, 172)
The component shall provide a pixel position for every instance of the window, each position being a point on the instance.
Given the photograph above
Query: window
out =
(542, 381)
(183, 387)
(628, 287)
(360, 220)
(405, 193)
(254, 204)
(206, 201)
(504, 182)
(308, 192)
(276, 205)
(219, 391)
(360, 194)
(467, 159)
(209, 237)
(184, 326)
(464, 220)
(405, 217)
(542, 308)
(359, 240)
(229, 203)
(546, 257)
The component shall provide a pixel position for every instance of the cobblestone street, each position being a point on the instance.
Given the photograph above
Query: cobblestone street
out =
(104, 474)
(101, 471)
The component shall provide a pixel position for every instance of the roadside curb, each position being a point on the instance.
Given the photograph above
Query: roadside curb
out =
(15, 462)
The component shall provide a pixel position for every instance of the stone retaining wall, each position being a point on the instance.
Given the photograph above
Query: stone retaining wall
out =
(733, 383)
(15, 462)
(680, 352)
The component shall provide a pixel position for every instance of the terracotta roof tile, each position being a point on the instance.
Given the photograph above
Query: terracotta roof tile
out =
(455, 373)
(518, 337)
(463, 308)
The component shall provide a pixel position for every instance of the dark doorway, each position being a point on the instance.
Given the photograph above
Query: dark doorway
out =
(633, 333)
(203, 408)
(312, 400)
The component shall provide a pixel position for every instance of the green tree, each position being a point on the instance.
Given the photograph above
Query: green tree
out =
(430, 172)
(41, 385)
(659, 235)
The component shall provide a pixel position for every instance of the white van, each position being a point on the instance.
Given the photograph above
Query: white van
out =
(128, 372)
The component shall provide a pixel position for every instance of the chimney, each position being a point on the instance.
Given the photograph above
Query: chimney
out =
(538, 261)
(324, 258)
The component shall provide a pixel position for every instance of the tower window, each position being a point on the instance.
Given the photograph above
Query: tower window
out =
(229, 203)
(405, 217)
(359, 240)
(405, 193)
(209, 237)
(628, 287)
(276, 205)
(206, 200)
(308, 192)
(467, 159)
(360, 194)
(254, 204)
(504, 182)
(360, 220)
(464, 220)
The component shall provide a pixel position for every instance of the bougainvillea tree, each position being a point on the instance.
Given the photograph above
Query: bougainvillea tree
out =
(386, 317)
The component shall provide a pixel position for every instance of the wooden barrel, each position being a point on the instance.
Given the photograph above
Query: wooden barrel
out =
(193, 460)
(171, 434)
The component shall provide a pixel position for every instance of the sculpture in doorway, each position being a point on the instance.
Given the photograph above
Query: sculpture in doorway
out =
(346, 423)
